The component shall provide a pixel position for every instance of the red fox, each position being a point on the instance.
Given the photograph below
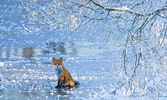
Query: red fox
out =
(64, 77)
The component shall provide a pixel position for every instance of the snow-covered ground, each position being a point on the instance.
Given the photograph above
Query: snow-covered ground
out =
(26, 70)
(26, 61)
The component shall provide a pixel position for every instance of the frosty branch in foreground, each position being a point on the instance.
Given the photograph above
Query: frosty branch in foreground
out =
(130, 11)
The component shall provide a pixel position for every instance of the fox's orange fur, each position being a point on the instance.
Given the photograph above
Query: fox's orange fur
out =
(64, 76)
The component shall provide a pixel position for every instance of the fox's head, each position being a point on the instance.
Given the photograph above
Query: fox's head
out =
(57, 63)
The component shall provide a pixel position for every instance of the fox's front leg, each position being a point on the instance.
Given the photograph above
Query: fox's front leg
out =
(60, 83)
(63, 81)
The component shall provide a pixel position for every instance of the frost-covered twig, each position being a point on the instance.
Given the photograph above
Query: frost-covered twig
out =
(136, 65)
(130, 11)
(124, 60)
(117, 88)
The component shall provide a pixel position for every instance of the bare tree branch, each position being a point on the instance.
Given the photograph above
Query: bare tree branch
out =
(129, 11)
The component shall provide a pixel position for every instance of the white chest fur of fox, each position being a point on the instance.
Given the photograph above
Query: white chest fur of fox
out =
(58, 72)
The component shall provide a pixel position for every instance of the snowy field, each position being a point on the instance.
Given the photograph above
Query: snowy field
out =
(26, 70)
(26, 62)
(27, 73)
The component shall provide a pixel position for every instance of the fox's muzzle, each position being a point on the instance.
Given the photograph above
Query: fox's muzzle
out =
(58, 67)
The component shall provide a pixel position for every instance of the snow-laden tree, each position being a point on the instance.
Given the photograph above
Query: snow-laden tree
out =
(137, 28)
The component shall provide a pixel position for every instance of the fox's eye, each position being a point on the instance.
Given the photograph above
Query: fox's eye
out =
(59, 63)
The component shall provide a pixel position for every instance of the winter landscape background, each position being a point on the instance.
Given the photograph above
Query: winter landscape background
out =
(116, 49)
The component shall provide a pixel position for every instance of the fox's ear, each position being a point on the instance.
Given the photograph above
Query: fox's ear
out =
(61, 59)
(53, 59)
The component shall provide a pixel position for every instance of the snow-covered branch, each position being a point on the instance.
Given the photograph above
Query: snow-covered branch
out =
(127, 10)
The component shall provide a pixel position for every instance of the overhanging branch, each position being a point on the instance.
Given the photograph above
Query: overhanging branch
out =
(130, 11)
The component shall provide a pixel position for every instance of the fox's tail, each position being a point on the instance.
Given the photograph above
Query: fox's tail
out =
(76, 83)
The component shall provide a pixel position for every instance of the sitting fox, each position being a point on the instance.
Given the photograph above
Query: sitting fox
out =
(64, 77)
